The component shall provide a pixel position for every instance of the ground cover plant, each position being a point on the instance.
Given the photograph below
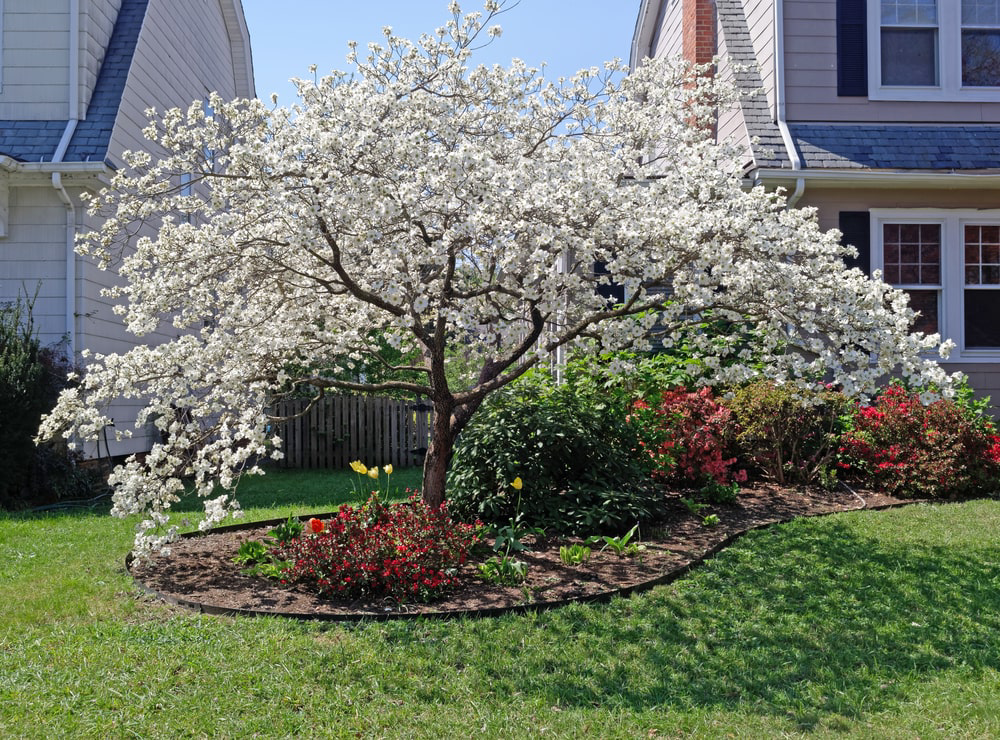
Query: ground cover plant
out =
(449, 210)
(858, 625)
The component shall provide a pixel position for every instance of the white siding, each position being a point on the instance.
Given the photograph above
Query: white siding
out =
(35, 60)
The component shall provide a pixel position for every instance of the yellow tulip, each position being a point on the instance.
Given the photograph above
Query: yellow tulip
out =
(388, 469)
(373, 473)
(358, 467)
(516, 484)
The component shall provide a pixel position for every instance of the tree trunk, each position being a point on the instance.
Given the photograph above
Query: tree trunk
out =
(438, 456)
(449, 420)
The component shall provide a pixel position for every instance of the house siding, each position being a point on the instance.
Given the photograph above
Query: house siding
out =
(35, 60)
(810, 41)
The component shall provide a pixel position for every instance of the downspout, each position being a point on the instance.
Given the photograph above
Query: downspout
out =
(779, 102)
(57, 183)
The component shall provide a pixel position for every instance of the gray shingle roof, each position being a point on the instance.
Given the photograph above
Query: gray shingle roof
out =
(767, 145)
(894, 147)
(36, 141)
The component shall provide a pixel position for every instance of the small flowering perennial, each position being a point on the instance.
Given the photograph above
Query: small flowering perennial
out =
(406, 552)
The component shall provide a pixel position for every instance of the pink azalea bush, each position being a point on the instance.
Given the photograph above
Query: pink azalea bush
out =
(688, 437)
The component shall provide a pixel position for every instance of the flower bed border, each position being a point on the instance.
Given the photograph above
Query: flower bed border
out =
(527, 607)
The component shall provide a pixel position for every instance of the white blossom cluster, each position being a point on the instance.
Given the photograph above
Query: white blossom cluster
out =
(442, 205)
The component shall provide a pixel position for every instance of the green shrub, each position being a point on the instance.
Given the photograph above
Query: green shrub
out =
(790, 435)
(569, 443)
(31, 377)
(906, 448)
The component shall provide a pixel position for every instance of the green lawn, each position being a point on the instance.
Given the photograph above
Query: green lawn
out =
(872, 624)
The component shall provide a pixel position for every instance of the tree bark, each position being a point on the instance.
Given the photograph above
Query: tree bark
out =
(438, 455)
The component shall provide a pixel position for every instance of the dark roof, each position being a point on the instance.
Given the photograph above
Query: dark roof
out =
(36, 141)
(766, 143)
(896, 147)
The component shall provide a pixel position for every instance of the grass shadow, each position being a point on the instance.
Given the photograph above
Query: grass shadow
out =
(809, 621)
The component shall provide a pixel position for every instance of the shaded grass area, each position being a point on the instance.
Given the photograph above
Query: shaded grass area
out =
(870, 623)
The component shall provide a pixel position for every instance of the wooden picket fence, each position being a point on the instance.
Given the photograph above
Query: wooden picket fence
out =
(339, 429)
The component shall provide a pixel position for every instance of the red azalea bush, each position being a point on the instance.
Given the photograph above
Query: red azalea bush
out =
(407, 551)
(688, 437)
(906, 448)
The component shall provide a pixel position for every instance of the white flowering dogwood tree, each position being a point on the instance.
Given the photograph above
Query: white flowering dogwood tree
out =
(442, 208)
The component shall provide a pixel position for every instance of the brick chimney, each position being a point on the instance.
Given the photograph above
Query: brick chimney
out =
(698, 31)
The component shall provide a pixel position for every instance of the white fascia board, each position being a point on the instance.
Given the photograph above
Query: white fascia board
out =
(949, 180)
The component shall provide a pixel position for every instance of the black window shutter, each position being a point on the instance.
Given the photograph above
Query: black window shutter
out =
(852, 47)
(855, 226)
(614, 291)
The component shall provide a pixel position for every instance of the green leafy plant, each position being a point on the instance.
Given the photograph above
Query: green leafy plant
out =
(252, 551)
(571, 444)
(712, 520)
(695, 507)
(287, 531)
(574, 554)
(720, 493)
(504, 570)
(621, 546)
(790, 435)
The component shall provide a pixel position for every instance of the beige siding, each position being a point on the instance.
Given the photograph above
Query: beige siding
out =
(730, 125)
(35, 60)
(811, 78)
(667, 40)
(760, 19)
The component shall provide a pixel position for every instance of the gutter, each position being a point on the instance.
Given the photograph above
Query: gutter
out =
(779, 102)
(57, 183)
(945, 179)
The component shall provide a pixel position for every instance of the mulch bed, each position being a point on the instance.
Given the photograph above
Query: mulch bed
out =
(201, 574)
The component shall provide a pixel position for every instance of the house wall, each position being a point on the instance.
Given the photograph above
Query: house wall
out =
(667, 39)
(984, 377)
(33, 256)
(35, 60)
(810, 40)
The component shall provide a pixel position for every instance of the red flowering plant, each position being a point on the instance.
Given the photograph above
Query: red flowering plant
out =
(688, 437)
(908, 448)
(407, 552)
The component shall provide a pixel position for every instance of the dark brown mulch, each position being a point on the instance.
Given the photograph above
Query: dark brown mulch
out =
(201, 574)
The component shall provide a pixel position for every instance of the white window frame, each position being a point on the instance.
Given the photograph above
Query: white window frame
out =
(949, 87)
(951, 319)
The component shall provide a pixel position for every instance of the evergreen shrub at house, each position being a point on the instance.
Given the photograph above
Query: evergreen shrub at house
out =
(571, 446)
(907, 448)
(31, 377)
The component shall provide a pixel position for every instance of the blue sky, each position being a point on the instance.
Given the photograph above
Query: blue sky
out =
(289, 35)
